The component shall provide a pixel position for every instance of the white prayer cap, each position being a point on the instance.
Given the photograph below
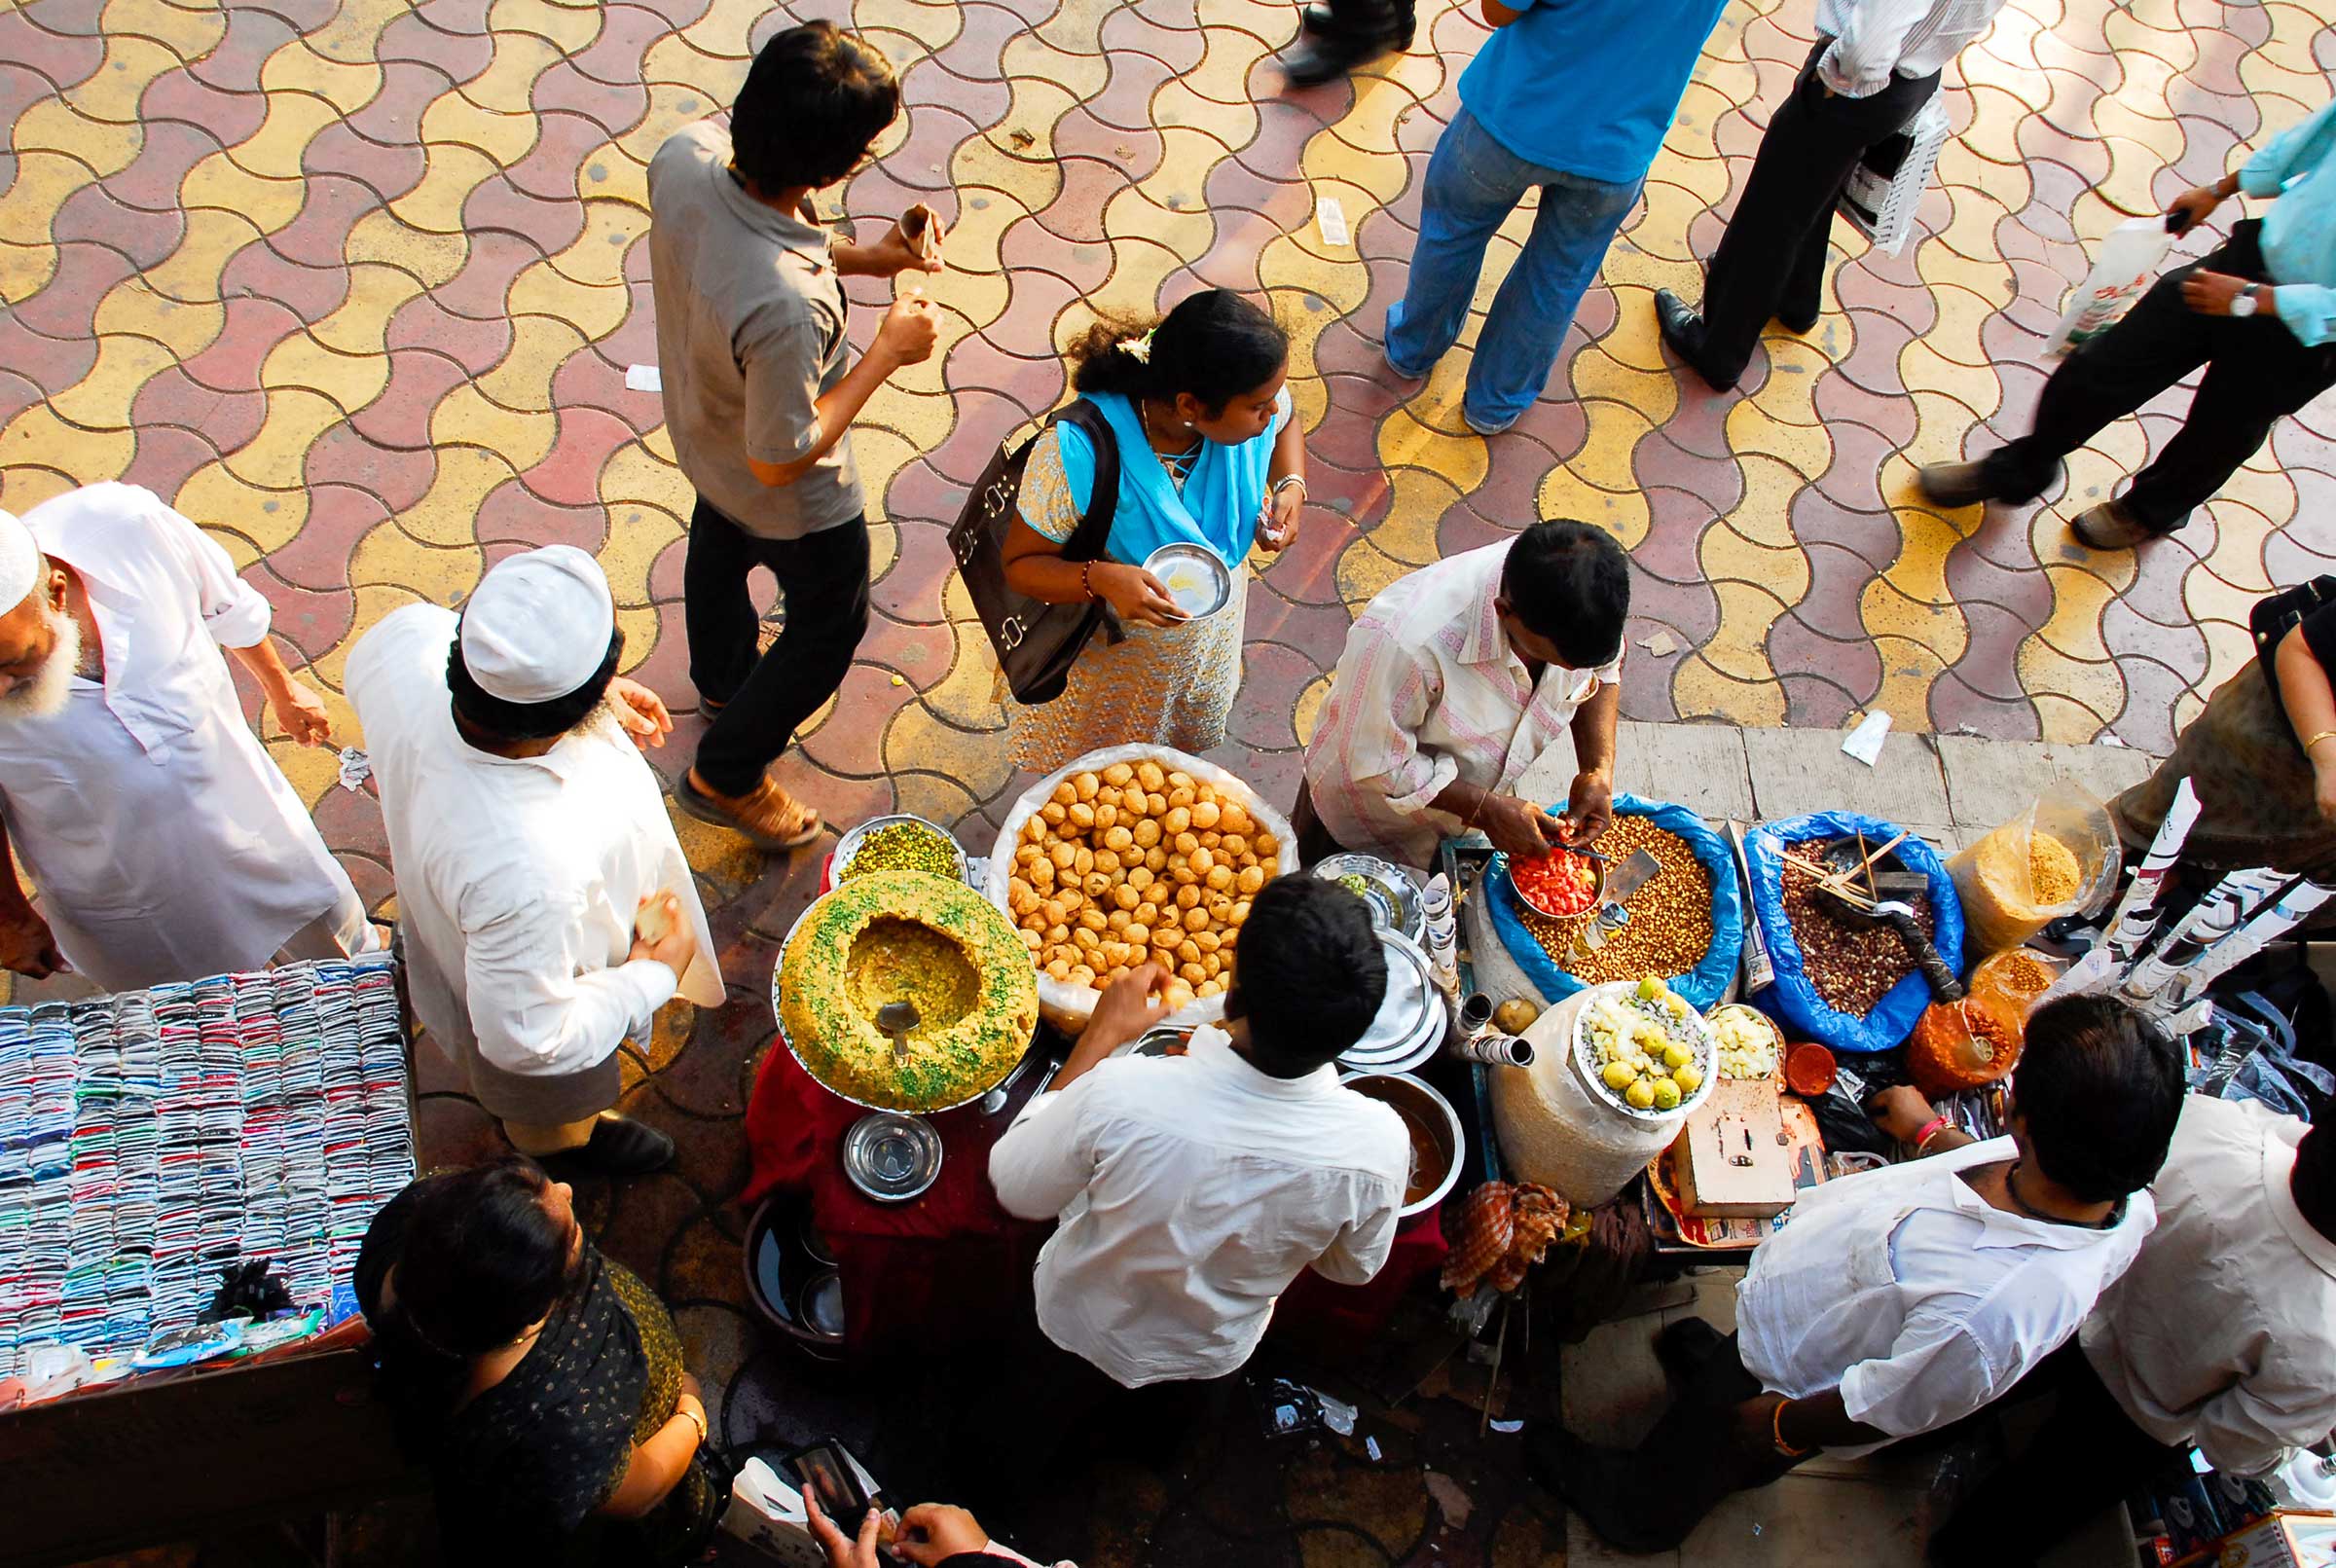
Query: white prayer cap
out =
(537, 627)
(19, 561)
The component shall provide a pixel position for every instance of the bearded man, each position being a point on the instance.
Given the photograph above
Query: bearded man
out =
(164, 841)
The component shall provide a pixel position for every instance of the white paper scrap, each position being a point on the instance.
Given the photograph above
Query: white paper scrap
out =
(1508, 1426)
(1331, 218)
(644, 379)
(355, 768)
(1865, 740)
(1662, 644)
(2105, 738)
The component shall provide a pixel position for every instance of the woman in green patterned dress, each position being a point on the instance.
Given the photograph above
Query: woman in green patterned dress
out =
(541, 1382)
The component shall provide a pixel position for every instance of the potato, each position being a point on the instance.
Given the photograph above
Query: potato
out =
(1219, 878)
(1081, 816)
(1118, 773)
(1206, 814)
(1251, 878)
(1146, 833)
(1065, 793)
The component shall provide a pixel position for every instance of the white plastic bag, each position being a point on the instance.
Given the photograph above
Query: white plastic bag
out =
(2128, 264)
(1879, 197)
(767, 1513)
(1069, 1007)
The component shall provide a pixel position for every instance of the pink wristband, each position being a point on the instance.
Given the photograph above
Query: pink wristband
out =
(1938, 1124)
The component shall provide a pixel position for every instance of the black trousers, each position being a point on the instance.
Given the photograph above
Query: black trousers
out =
(1651, 1498)
(1370, 23)
(824, 586)
(2257, 371)
(1772, 260)
(2087, 1454)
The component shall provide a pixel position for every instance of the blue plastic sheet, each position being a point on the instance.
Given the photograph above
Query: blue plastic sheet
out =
(1701, 986)
(1792, 999)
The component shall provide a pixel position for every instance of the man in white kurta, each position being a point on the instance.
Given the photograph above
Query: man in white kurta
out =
(163, 839)
(527, 835)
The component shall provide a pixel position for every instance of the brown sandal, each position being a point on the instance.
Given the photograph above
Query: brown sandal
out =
(770, 818)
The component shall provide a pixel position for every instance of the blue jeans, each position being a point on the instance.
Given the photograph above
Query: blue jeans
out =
(1474, 183)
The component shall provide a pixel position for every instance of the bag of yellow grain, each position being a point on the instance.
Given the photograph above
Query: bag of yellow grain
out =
(2057, 856)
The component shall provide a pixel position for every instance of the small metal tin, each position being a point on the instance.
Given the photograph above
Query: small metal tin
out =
(1200, 583)
(1394, 898)
(891, 1158)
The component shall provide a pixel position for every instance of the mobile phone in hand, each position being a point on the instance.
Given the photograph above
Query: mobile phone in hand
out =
(825, 1472)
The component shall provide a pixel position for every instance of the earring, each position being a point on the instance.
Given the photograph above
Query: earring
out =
(1188, 424)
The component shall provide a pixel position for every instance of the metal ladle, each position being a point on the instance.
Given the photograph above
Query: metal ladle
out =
(897, 1020)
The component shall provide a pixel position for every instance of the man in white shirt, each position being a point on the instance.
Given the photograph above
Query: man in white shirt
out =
(164, 840)
(1901, 1301)
(2222, 1334)
(544, 903)
(1876, 65)
(1191, 1190)
(1454, 680)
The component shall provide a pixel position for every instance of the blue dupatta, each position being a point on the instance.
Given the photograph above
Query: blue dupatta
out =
(1218, 507)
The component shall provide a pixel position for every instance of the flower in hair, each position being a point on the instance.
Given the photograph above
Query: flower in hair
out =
(1138, 347)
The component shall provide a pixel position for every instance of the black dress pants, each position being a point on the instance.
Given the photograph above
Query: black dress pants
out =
(2257, 370)
(824, 585)
(1367, 26)
(1651, 1498)
(2086, 1456)
(1772, 260)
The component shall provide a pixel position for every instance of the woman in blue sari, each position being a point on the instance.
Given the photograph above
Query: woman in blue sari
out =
(1209, 455)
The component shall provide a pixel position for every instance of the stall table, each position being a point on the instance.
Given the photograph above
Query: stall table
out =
(950, 1267)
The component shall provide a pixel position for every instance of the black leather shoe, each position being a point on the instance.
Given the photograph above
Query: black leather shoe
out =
(1325, 57)
(1683, 329)
(1954, 484)
(2110, 526)
(619, 1146)
(1799, 325)
(1317, 20)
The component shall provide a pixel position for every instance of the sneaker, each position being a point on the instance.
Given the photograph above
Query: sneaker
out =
(619, 1146)
(1485, 427)
(770, 818)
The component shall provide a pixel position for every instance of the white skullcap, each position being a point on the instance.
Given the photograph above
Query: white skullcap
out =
(538, 624)
(19, 561)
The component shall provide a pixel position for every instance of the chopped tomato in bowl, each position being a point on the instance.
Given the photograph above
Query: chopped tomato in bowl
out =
(1557, 885)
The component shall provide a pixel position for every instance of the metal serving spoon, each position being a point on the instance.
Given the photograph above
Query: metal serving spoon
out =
(897, 1020)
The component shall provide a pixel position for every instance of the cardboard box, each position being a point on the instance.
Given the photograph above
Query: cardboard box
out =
(1734, 1160)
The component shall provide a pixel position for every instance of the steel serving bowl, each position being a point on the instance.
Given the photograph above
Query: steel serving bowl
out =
(1393, 896)
(1598, 894)
(849, 845)
(1423, 1109)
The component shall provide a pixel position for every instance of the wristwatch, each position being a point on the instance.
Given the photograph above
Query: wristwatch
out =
(2244, 301)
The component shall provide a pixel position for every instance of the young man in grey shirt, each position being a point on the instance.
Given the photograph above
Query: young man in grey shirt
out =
(759, 397)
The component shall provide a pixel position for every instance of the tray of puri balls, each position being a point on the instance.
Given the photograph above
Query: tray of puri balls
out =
(1131, 855)
(883, 937)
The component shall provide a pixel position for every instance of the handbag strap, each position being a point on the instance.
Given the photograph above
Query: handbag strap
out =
(1094, 531)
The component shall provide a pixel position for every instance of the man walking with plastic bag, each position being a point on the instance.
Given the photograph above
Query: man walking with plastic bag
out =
(2259, 312)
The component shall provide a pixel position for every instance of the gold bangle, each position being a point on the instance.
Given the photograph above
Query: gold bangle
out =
(2323, 735)
(694, 1418)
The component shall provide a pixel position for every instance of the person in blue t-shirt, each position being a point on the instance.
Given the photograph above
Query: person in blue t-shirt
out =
(1571, 97)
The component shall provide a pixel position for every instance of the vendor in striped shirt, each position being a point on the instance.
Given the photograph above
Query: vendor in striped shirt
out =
(1455, 679)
